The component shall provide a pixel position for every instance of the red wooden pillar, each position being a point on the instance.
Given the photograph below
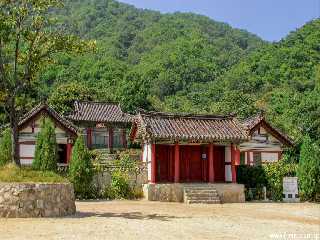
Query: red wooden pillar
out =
(89, 137)
(234, 155)
(110, 139)
(176, 163)
(153, 163)
(69, 151)
(211, 163)
(124, 138)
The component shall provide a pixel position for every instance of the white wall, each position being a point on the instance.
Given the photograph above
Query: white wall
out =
(146, 157)
(228, 173)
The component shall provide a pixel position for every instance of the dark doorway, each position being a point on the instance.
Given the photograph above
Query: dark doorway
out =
(62, 153)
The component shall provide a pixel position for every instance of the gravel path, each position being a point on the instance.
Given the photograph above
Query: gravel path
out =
(154, 220)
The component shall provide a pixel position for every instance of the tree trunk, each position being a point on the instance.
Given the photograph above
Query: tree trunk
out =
(14, 132)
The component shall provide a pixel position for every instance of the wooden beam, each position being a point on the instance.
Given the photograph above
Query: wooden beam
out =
(69, 151)
(211, 163)
(89, 137)
(233, 163)
(153, 163)
(176, 163)
(110, 139)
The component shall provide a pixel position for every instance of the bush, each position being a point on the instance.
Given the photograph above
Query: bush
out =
(120, 187)
(46, 154)
(81, 170)
(275, 173)
(5, 147)
(13, 173)
(309, 170)
(254, 179)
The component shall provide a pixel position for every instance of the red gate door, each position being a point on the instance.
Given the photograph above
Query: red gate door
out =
(190, 164)
(219, 168)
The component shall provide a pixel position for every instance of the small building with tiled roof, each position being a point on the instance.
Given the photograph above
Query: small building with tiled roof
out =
(189, 148)
(30, 125)
(186, 152)
(103, 124)
(265, 144)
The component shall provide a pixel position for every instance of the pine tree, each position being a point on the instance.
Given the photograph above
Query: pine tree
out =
(309, 169)
(5, 147)
(81, 169)
(45, 157)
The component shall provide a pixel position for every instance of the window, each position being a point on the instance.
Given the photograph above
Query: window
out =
(242, 158)
(100, 138)
(117, 141)
(257, 158)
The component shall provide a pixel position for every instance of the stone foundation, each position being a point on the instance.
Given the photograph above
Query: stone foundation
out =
(173, 192)
(36, 200)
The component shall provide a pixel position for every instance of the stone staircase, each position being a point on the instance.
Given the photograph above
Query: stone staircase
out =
(204, 194)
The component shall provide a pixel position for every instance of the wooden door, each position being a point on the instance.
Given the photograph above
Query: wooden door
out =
(219, 166)
(165, 162)
(190, 164)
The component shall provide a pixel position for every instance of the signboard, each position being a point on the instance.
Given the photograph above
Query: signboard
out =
(290, 189)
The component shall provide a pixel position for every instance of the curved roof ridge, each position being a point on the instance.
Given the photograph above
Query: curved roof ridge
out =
(185, 115)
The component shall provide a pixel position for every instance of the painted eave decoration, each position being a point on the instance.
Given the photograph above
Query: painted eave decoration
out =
(253, 123)
(187, 127)
(101, 112)
(46, 110)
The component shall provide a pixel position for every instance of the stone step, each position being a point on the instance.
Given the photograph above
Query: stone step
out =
(215, 201)
(201, 195)
(201, 191)
(203, 198)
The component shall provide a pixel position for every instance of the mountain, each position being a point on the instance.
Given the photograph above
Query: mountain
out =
(184, 62)
(143, 54)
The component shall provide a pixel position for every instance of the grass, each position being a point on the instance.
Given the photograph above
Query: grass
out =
(12, 173)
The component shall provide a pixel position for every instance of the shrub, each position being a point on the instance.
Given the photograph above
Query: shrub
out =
(13, 173)
(275, 173)
(5, 147)
(309, 170)
(120, 187)
(46, 153)
(254, 178)
(81, 170)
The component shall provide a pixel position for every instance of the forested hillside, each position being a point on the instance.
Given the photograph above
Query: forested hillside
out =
(185, 62)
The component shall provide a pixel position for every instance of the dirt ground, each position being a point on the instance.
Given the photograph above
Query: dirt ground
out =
(154, 220)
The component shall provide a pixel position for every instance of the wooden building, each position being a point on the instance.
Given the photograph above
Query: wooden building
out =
(103, 124)
(265, 144)
(30, 125)
(189, 148)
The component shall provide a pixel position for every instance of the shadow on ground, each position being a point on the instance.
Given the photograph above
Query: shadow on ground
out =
(129, 215)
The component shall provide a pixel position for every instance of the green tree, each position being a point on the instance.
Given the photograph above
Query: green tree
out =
(63, 96)
(29, 38)
(5, 147)
(309, 169)
(46, 155)
(81, 169)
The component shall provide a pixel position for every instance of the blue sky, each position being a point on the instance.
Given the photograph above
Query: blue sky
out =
(269, 19)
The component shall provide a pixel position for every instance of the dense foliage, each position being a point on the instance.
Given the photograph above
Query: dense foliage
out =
(46, 152)
(309, 170)
(5, 147)
(274, 176)
(184, 62)
(120, 186)
(81, 169)
(254, 179)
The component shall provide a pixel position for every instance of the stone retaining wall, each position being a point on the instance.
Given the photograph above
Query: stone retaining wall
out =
(36, 200)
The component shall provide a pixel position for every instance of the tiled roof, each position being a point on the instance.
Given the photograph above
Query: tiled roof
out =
(44, 107)
(189, 127)
(251, 124)
(99, 112)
